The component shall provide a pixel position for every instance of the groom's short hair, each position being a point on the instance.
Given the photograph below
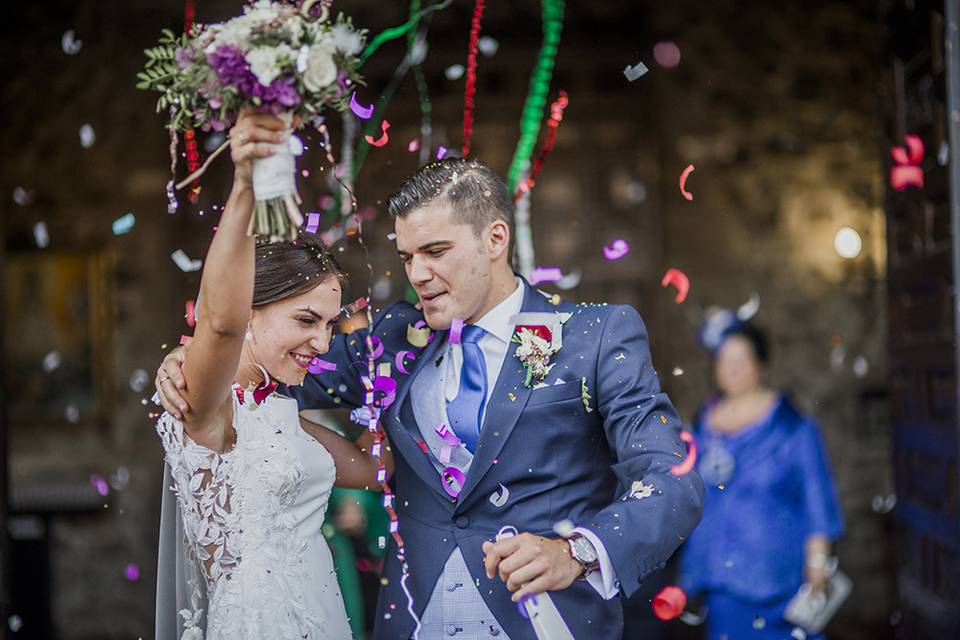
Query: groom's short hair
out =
(477, 195)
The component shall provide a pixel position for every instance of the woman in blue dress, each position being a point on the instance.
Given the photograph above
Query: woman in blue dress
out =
(771, 508)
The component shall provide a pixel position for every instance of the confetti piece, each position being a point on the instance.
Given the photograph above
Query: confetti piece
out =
(413, 145)
(40, 235)
(69, 43)
(139, 380)
(488, 46)
(906, 171)
(184, 262)
(418, 337)
(456, 331)
(384, 137)
(667, 54)
(564, 528)
(100, 484)
(677, 371)
(545, 274)
(51, 361)
(570, 280)
(679, 280)
(669, 603)
(499, 498)
(455, 71)
(184, 340)
(124, 224)
(749, 308)
(687, 465)
(361, 111)
(190, 313)
(441, 152)
(683, 182)
(131, 572)
(313, 222)
(617, 250)
(399, 361)
(453, 481)
(635, 72)
(72, 413)
(15, 623)
(375, 347)
(639, 490)
(88, 137)
(22, 197)
(318, 365)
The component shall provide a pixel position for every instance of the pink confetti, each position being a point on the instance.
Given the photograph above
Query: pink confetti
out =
(399, 361)
(667, 54)
(679, 280)
(445, 432)
(375, 345)
(456, 331)
(906, 171)
(185, 340)
(101, 485)
(359, 110)
(191, 318)
(318, 365)
(669, 603)
(441, 152)
(453, 481)
(131, 572)
(413, 145)
(687, 465)
(683, 182)
(313, 222)
(545, 274)
(383, 139)
(617, 250)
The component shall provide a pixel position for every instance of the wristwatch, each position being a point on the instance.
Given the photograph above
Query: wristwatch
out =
(581, 550)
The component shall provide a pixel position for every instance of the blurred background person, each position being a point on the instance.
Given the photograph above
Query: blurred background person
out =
(771, 509)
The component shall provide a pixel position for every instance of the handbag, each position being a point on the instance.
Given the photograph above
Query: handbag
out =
(813, 610)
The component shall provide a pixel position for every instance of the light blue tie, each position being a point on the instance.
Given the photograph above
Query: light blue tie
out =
(465, 410)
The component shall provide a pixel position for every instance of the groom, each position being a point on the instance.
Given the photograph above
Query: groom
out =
(569, 427)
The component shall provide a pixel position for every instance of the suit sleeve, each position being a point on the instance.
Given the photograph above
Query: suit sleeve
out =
(643, 429)
(341, 388)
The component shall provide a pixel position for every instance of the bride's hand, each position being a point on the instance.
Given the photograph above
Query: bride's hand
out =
(253, 136)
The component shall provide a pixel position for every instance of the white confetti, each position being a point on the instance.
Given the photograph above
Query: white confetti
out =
(488, 46)
(749, 308)
(184, 262)
(15, 623)
(861, 367)
(40, 234)
(22, 197)
(569, 281)
(454, 72)
(139, 380)
(69, 43)
(499, 498)
(635, 72)
(639, 490)
(51, 361)
(677, 371)
(87, 136)
(123, 224)
(72, 413)
(564, 528)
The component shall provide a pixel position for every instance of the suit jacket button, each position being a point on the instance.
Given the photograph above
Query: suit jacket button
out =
(462, 522)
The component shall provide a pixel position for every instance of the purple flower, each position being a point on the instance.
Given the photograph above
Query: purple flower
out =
(232, 68)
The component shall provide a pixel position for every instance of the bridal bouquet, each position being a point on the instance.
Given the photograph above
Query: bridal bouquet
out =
(278, 57)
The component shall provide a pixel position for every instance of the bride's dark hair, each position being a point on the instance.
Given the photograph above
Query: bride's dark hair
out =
(287, 269)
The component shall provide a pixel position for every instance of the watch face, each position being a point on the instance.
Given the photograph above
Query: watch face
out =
(583, 550)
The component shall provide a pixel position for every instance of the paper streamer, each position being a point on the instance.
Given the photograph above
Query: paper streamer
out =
(364, 112)
(616, 250)
(669, 603)
(683, 182)
(399, 360)
(687, 465)
(456, 331)
(318, 365)
(552, 17)
(471, 84)
(384, 137)
(453, 481)
(545, 274)
(556, 116)
(679, 280)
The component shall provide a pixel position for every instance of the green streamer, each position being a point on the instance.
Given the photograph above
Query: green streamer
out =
(552, 13)
(395, 32)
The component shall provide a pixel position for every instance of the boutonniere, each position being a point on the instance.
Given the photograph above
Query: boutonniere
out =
(539, 336)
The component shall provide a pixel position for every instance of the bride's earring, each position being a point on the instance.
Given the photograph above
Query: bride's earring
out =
(248, 336)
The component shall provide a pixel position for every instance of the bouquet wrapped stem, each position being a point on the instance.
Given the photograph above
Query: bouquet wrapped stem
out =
(277, 213)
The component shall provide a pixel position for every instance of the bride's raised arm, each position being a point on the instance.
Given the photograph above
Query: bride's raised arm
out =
(227, 286)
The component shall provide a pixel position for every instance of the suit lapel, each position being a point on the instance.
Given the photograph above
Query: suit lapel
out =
(506, 403)
(401, 422)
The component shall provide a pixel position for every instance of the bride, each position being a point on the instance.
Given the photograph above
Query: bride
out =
(241, 553)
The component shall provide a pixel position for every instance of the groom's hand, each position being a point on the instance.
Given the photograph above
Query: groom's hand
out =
(169, 381)
(531, 564)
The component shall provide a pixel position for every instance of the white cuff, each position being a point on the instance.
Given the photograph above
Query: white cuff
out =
(605, 580)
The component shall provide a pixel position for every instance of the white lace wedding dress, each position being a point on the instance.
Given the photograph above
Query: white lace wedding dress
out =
(248, 558)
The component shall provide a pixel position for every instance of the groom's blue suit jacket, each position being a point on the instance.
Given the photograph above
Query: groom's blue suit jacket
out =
(559, 461)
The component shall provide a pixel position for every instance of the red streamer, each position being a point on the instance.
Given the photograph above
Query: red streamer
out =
(471, 87)
(556, 116)
(193, 156)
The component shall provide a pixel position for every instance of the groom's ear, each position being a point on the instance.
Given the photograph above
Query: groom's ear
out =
(498, 239)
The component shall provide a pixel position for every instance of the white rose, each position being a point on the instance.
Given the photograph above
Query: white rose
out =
(264, 62)
(193, 633)
(321, 69)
